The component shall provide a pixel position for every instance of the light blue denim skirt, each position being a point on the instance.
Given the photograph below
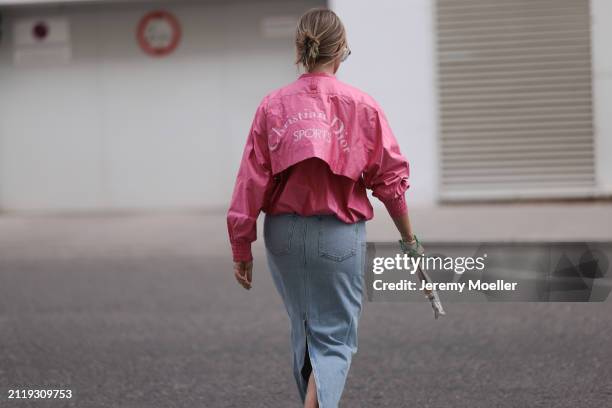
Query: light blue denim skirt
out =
(317, 264)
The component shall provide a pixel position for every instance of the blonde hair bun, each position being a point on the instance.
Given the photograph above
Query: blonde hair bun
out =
(319, 38)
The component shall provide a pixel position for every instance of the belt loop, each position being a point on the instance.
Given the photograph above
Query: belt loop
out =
(305, 246)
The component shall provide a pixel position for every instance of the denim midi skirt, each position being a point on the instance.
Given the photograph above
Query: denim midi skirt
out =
(317, 265)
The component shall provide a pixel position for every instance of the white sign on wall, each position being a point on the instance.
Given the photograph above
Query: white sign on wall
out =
(41, 41)
(278, 26)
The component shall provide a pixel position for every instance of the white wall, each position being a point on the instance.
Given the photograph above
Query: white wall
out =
(118, 129)
(393, 59)
(601, 10)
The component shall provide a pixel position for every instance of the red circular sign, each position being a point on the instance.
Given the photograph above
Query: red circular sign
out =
(159, 32)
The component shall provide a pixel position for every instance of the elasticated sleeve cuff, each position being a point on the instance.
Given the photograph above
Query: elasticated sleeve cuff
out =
(241, 251)
(396, 206)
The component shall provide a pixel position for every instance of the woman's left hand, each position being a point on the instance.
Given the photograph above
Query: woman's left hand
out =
(243, 271)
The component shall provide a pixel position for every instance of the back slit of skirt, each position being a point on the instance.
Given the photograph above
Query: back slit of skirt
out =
(307, 367)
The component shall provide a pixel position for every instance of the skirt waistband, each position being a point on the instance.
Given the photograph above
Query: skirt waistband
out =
(314, 216)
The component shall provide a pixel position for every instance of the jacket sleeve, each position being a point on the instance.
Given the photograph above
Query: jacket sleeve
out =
(250, 190)
(387, 170)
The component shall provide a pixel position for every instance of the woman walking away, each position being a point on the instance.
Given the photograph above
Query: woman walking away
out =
(314, 147)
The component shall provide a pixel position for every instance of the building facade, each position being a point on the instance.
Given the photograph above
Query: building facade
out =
(101, 125)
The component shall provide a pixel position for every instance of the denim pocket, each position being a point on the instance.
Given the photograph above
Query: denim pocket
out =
(278, 231)
(337, 240)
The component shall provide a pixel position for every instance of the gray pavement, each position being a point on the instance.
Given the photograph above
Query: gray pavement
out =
(142, 311)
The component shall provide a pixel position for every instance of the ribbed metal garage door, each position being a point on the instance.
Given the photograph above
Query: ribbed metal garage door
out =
(514, 80)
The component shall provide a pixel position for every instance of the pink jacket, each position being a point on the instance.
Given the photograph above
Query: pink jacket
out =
(344, 131)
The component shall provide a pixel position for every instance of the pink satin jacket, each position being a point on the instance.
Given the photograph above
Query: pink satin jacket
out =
(314, 147)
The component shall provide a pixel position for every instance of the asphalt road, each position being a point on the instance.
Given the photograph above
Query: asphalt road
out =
(128, 315)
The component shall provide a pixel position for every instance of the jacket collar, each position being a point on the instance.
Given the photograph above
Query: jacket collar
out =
(316, 74)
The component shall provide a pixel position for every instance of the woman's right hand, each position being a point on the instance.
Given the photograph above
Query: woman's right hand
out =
(243, 271)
